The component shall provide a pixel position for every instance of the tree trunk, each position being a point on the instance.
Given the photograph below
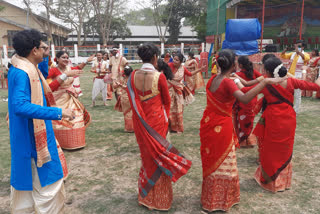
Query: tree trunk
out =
(109, 21)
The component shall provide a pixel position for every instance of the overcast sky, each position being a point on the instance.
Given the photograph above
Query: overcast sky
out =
(130, 4)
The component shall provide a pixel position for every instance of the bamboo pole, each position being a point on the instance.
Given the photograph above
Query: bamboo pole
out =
(302, 11)
(262, 28)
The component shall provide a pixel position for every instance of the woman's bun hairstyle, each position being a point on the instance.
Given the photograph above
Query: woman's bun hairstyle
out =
(272, 63)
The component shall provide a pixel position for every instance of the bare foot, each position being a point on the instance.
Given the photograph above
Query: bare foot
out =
(93, 104)
(105, 104)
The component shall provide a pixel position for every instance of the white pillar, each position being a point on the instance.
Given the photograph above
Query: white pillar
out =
(202, 47)
(182, 48)
(5, 55)
(76, 54)
(121, 49)
(98, 47)
(53, 52)
(162, 48)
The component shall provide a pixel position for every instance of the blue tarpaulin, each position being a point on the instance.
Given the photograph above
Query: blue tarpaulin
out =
(239, 30)
(242, 48)
(242, 35)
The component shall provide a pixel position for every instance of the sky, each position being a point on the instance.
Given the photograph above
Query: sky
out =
(130, 4)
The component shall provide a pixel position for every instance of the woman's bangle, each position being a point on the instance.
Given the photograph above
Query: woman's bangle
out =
(260, 78)
(304, 71)
(236, 81)
(63, 77)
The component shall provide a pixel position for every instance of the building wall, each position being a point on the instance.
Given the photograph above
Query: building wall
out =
(4, 28)
(20, 16)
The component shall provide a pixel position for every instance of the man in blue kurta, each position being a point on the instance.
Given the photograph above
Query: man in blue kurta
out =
(36, 171)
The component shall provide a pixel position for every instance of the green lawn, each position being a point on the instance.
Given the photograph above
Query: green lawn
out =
(103, 177)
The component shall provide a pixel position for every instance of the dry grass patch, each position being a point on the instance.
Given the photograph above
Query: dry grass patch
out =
(104, 175)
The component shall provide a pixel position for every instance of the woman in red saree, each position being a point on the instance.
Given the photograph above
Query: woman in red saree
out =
(243, 114)
(180, 93)
(276, 128)
(65, 96)
(150, 103)
(220, 186)
(313, 72)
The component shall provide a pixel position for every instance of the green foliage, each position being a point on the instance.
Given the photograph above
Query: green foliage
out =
(140, 17)
(1, 8)
(180, 9)
(198, 21)
(118, 28)
(193, 11)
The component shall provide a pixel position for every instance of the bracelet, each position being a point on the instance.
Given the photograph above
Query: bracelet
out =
(63, 77)
(260, 78)
(236, 81)
(304, 71)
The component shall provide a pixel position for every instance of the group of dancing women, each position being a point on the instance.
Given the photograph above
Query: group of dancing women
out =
(152, 100)
(228, 94)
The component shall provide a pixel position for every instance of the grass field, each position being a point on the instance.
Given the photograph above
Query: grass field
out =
(103, 177)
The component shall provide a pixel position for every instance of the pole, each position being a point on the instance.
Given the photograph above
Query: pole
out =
(76, 55)
(263, 13)
(302, 11)
(182, 48)
(121, 49)
(5, 54)
(217, 32)
(162, 48)
(53, 54)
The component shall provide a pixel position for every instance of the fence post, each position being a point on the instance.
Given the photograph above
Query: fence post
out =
(53, 52)
(202, 47)
(76, 54)
(162, 48)
(182, 48)
(98, 47)
(5, 54)
(121, 49)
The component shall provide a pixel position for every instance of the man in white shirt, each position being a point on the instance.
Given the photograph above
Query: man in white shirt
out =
(99, 68)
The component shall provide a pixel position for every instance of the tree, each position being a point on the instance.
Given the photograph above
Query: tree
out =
(199, 22)
(140, 17)
(46, 25)
(159, 21)
(103, 10)
(75, 12)
(118, 28)
(175, 13)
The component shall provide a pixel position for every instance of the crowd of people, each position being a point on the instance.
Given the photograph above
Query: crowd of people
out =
(44, 109)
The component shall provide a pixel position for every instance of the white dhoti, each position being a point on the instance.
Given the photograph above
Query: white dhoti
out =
(297, 92)
(99, 86)
(41, 200)
(297, 100)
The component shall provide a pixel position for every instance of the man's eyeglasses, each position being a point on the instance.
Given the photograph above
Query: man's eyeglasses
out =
(44, 47)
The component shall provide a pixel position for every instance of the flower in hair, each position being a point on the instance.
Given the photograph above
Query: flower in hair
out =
(276, 71)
